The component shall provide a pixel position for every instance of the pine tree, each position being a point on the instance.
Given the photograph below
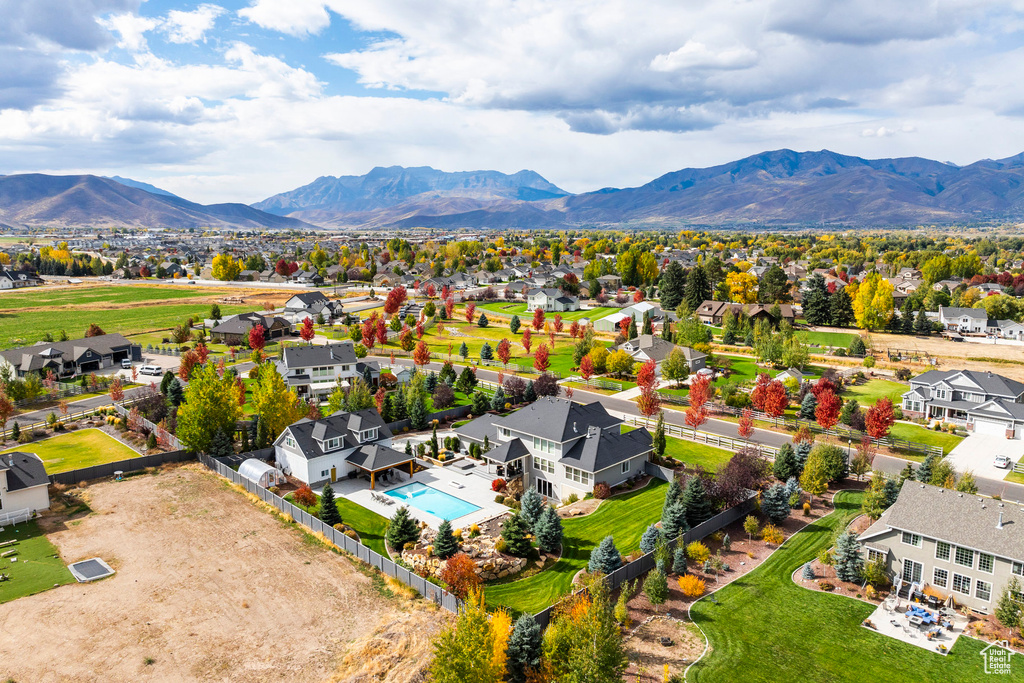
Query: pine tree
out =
(666, 331)
(531, 507)
(801, 452)
(841, 308)
(647, 328)
(514, 531)
(1008, 609)
(15, 431)
(698, 288)
(402, 529)
(175, 392)
(695, 502)
(254, 430)
(464, 350)
(922, 325)
(659, 436)
(857, 347)
(924, 472)
(408, 447)
(445, 544)
(808, 572)
(482, 321)
(649, 539)
(400, 410)
(221, 446)
(514, 324)
(549, 530)
(656, 587)
(605, 558)
(498, 401)
(329, 514)
(418, 415)
(907, 473)
(673, 520)
(679, 560)
(785, 463)
(481, 404)
(807, 406)
(431, 381)
(775, 503)
(891, 492)
(524, 649)
(847, 559)
(486, 352)
(530, 394)
(673, 493)
(672, 286)
(631, 331)
(817, 307)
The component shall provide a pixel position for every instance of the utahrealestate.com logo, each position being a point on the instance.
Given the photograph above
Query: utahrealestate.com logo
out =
(997, 657)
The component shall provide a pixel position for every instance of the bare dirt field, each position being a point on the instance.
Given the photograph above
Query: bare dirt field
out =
(208, 587)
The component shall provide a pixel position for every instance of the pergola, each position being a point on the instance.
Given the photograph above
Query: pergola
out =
(508, 459)
(374, 458)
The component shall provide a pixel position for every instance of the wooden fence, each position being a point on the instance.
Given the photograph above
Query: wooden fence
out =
(726, 442)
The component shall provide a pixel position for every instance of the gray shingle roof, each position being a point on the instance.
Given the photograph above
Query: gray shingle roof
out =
(606, 448)
(989, 382)
(958, 312)
(508, 451)
(559, 419)
(957, 518)
(24, 470)
(342, 425)
(314, 356)
(374, 457)
(104, 345)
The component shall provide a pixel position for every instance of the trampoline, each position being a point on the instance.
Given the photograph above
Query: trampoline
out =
(90, 570)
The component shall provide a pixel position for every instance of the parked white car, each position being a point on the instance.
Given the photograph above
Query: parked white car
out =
(1003, 462)
(150, 370)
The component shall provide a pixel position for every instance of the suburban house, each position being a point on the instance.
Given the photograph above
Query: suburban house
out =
(647, 346)
(16, 279)
(712, 312)
(957, 544)
(551, 299)
(70, 358)
(976, 321)
(337, 446)
(984, 402)
(312, 304)
(314, 371)
(234, 331)
(610, 283)
(23, 483)
(610, 323)
(560, 447)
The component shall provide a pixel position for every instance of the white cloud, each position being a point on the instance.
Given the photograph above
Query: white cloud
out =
(132, 29)
(698, 55)
(294, 17)
(191, 27)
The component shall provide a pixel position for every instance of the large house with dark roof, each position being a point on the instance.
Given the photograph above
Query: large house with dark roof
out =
(317, 370)
(235, 330)
(70, 358)
(646, 347)
(984, 402)
(340, 445)
(551, 300)
(958, 544)
(560, 447)
(23, 483)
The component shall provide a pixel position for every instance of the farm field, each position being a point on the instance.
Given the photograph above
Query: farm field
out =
(74, 450)
(764, 627)
(625, 517)
(39, 566)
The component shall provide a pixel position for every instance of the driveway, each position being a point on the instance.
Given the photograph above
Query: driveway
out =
(977, 451)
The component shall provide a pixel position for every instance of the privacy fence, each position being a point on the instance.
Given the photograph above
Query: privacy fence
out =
(130, 465)
(162, 435)
(424, 587)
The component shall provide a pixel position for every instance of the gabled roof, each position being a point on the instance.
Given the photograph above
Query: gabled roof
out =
(374, 457)
(958, 312)
(24, 470)
(559, 419)
(314, 356)
(309, 433)
(103, 345)
(988, 382)
(309, 298)
(508, 451)
(604, 448)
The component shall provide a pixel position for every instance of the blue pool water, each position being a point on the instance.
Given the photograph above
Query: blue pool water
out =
(437, 503)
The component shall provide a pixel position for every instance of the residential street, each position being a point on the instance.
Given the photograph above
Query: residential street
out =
(73, 407)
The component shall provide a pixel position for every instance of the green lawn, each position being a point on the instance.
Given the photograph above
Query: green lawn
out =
(39, 566)
(507, 310)
(843, 339)
(625, 517)
(93, 296)
(370, 526)
(694, 454)
(73, 450)
(867, 394)
(766, 628)
(920, 434)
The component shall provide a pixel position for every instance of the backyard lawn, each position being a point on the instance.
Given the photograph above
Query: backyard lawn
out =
(370, 526)
(39, 566)
(764, 627)
(696, 454)
(625, 517)
(843, 339)
(867, 394)
(920, 434)
(73, 450)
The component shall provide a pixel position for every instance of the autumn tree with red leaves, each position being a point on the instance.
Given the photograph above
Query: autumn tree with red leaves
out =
(776, 400)
(540, 359)
(470, 311)
(459, 574)
(419, 329)
(421, 356)
(880, 419)
(396, 297)
(370, 332)
(257, 337)
(504, 351)
(586, 368)
(379, 398)
(526, 340)
(116, 390)
(647, 375)
(827, 411)
(538, 318)
(449, 307)
(306, 331)
(746, 427)
(758, 395)
(574, 329)
(559, 324)
(381, 331)
(202, 353)
(700, 393)
(188, 363)
(638, 296)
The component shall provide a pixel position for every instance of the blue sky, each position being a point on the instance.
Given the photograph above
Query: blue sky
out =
(235, 101)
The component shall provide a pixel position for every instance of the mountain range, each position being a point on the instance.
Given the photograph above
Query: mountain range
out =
(774, 189)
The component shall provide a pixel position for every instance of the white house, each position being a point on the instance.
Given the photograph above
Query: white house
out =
(648, 346)
(317, 370)
(964, 320)
(551, 300)
(23, 483)
(984, 402)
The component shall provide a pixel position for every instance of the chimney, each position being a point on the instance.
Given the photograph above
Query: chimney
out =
(999, 525)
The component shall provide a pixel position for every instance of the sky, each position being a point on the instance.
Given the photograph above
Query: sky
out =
(238, 100)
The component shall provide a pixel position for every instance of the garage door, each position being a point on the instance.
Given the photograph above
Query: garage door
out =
(994, 427)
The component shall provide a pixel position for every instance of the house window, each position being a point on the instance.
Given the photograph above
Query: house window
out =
(543, 445)
(940, 577)
(505, 433)
(912, 539)
(874, 555)
(625, 468)
(326, 371)
(544, 465)
(324, 473)
(986, 563)
(961, 584)
(332, 444)
(983, 590)
(1017, 568)
(579, 476)
(964, 557)
(289, 442)
(942, 551)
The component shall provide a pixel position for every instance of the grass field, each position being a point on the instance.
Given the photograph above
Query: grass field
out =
(763, 628)
(39, 566)
(625, 517)
(867, 394)
(73, 450)
(843, 339)
(507, 310)
(912, 432)
(696, 454)
(370, 526)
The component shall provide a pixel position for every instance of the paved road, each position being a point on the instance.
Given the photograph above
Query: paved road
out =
(73, 407)
(989, 487)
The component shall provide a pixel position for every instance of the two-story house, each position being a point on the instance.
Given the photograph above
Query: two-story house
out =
(337, 446)
(551, 300)
(648, 346)
(963, 320)
(560, 447)
(23, 483)
(234, 331)
(311, 305)
(984, 402)
(316, 370)
(956, 543)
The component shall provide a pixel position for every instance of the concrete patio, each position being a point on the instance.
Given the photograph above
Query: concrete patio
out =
(890, 619)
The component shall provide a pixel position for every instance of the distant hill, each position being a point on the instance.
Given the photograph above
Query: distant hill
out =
(152, 189)
(774, 188)
(88, 200)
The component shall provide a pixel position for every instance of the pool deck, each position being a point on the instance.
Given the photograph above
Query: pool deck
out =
(476, 490)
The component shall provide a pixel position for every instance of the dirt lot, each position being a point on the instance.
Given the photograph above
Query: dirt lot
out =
(208, 587)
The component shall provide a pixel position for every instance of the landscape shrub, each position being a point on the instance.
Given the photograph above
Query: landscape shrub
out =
(698, 552)
(602, 491)
(459, 574)
(498, 485)
(772, 535)
(509, 501)
(501, 546)
(571, 499)
(474, 530)
(807, 509)
(825, 585)
(691, 586)
(352, 534)
(305, 497)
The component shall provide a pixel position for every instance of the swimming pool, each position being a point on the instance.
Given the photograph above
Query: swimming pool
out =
(437, 503)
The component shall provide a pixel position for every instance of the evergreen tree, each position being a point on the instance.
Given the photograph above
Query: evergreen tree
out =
(254, 430)
(514, 325)
(775, 503)
(549, 530)
(673, 493)
(221, 446)
(695, 501)
(1008, 609)
(400, 410)
(817, 307)
(673, 520)
(514, 531)
(481, 404)
(924, 472)
(647, 328)
(605, 558)
(659, 441)
(801, 453)
(679, 560)
(807, 406)
(445, 544)
(847, 559)
(524, 649)
(408, 447)
(431, 381)
(698, 288)
(666, 330)
(531, 507)
(486, 352)
(908, 319)
(656, 587)
(785, 463)
(808, 572)
(482, 321)
(464, 350)
(435, 448)
(15, 431)
(165, 382)
(922, 325)
(530, 395)
(907, 473)
(672, 286)
(891, 492)
(418, 415)
(329, 514)
(402, 529)
(649, 539)
(841, 308)
(792, 488)
(175, 392)
(857, 347)
(631, 331)
(498, 401)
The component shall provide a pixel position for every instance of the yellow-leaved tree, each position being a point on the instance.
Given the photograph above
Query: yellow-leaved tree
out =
(474, 648)
(225, 267)
(742, 287)
(873, 302)
(210, 406)
(275, 403)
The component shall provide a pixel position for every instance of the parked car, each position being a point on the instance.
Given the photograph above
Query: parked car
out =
(126, 363)
(151, 370)
(1003, 462)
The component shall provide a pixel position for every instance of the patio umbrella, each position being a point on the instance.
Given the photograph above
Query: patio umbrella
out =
(950, 603)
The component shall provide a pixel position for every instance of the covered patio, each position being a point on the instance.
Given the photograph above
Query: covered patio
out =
(508, 460)
(375, 459)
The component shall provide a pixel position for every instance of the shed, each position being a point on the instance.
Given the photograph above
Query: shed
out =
(261, 473)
